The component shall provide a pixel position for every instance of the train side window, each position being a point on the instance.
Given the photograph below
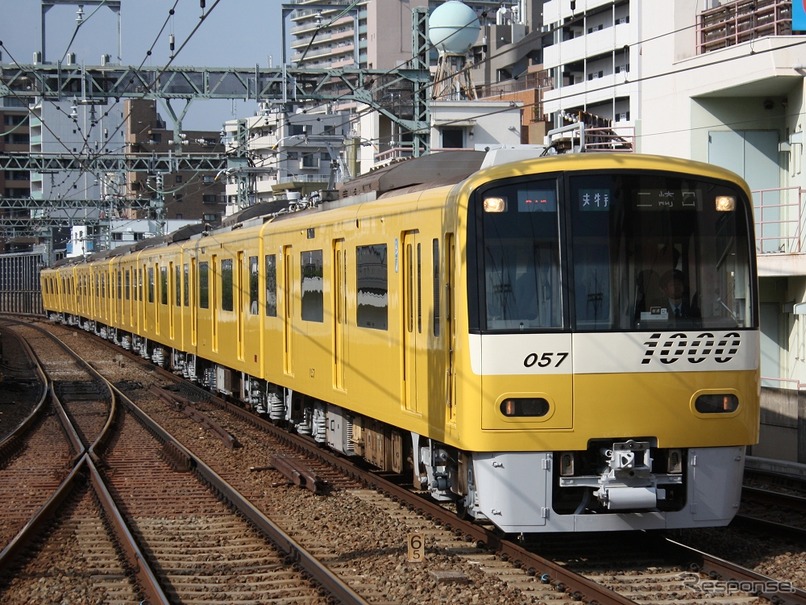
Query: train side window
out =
(253, 285)
(151, 284)
(204, 285)
(164, 285)
(127, 275)
(186, 284)
(372, 287)
(271, 285)
(311, 262)
(178, 286)
(226, 284)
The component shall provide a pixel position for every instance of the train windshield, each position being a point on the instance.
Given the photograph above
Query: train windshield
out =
(643, 251)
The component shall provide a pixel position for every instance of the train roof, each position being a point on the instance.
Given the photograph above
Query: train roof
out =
(413, 174)
(258, 210)
(432, 170)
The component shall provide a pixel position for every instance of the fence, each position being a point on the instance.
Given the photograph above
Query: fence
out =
(19, 283)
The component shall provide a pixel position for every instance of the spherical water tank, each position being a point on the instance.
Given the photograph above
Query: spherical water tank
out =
(453, 27)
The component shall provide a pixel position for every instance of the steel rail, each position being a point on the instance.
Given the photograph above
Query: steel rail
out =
(146, 577)
(729, 576)
(8, 444)
(285, 543)
(84, 467)
(576, 586)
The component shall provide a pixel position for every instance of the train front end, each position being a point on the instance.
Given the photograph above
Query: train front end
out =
(613, 345)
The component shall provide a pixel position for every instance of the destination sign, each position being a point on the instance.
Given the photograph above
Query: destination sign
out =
(537, 200)
(594, 200)
(667, 199)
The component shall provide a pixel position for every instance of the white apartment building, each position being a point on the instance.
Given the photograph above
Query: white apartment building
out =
(374, 35)
(78, 130)
(720, 82)
(283, 151)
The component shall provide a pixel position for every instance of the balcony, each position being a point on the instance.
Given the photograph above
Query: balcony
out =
(742, 21)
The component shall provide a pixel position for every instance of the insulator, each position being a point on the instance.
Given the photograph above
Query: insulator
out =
(171, 42)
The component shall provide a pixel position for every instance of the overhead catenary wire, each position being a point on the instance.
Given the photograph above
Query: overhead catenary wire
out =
(381, 86)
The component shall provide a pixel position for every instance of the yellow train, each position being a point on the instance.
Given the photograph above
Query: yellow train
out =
(563, 343)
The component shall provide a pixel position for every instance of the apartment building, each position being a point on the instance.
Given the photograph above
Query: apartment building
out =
(720, 82)
(374, 35)
(178, 195)
(284, 154)
(14, 138)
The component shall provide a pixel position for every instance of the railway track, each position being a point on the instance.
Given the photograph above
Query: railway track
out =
(773, 512)
(362, 534)
(27, 479)
(179, 538)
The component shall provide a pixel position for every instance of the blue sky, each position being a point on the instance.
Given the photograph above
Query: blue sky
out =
(241, 33)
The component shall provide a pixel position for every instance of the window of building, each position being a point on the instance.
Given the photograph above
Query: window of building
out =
(309, 160)
(453, 138)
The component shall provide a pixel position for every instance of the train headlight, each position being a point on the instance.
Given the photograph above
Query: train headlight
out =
(716, 403)
(725, 203)
(495, 204)
(524, 407)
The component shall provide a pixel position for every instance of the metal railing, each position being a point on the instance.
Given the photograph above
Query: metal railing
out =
(742, 21)
(780, 220)
(785, 384)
